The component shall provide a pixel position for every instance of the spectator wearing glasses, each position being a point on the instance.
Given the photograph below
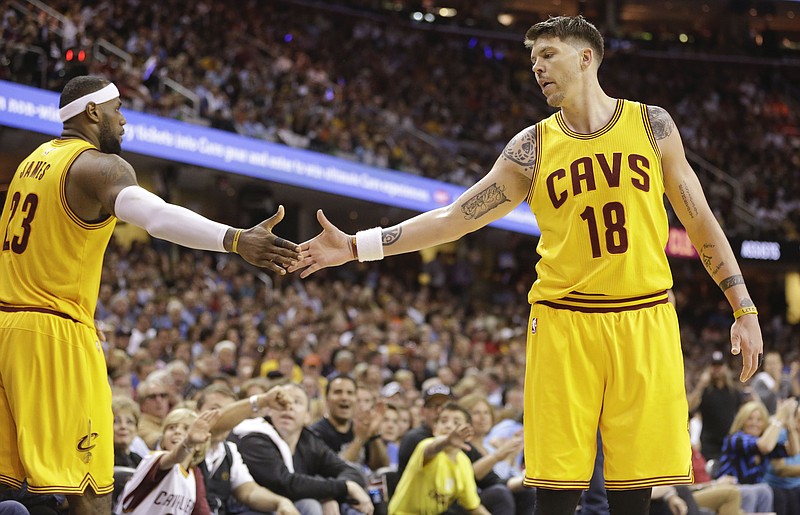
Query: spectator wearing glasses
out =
(154, 403)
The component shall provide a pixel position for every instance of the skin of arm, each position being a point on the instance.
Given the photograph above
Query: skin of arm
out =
(259, 498)
(510, 447)
(197, 433)
(689, 202)
(500, 191)
(457, 438)
(232, 414)
(95, 179)
(785, 415)
(480, 510)
(781, 468)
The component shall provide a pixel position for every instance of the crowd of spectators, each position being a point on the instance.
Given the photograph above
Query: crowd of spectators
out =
(394, 94)
(371, 350)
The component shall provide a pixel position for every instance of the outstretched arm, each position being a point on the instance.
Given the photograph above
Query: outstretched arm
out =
(689, 202)
(497, 194)
(99, 185)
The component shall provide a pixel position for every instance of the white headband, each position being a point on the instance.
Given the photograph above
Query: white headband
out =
(78, 105)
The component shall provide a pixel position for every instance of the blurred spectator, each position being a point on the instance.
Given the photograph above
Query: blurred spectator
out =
(229, 486)
(293, 462)
(435, 397)
(772, 385)
(752, 442)
(153, 400)
(717, 398)
(350, 431)
(784, 473)
(161, 483)
(439, 474)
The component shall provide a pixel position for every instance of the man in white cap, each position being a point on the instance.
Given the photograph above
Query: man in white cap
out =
(61, 209)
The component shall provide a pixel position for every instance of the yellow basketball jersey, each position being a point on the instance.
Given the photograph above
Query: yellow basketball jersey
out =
(50, 259)
(599, 202)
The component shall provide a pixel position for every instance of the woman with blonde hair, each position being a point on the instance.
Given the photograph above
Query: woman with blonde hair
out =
(751, 443)
(168, 481)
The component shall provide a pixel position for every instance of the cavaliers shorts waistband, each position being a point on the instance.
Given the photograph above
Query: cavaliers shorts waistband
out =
(598, 303)
(34, 309)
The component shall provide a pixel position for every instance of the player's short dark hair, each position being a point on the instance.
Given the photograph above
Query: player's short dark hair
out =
(80, 86)
(565, 28)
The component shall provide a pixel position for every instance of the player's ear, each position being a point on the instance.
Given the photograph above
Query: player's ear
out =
(587, 57)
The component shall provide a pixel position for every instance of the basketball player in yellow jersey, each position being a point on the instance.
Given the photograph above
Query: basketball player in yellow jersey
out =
(56, 426)
(601, 334)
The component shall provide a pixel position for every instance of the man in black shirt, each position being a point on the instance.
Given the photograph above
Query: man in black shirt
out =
(290, 460)
(355, 436)
(717, 400)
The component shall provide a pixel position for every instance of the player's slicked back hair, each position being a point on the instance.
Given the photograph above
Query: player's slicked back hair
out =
(80, 86)
(565, 28)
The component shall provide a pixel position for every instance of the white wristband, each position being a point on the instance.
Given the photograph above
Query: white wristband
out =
(369, 244)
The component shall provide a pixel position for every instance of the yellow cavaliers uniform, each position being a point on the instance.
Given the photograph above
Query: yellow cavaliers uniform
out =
(602, 333)
(51, 364)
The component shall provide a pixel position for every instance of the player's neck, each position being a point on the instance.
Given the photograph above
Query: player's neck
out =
(589, 112)
(74, 132)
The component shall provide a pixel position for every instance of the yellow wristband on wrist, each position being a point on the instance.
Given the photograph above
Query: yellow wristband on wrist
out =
(747, 310)
(235, 244)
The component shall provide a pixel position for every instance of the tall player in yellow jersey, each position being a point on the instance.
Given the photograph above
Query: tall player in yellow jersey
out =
(56, 425)
(601, 333)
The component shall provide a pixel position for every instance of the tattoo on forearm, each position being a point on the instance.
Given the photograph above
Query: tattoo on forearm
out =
(484, 202)
(688, 201)
(390, 236)
(746, 302)
(708, 259)
(731, 281)
(660, 121)
(522, 148)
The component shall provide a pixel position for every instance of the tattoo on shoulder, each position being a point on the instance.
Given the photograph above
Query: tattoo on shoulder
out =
(484, 201)
(731, 281)
(390, 236)
(660, 121)
(113, 171)
(522, 148)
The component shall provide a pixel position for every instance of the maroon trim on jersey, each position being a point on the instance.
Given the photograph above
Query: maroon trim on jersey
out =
(601, 299)
(140, 492)
(602, 309)
(47, 311)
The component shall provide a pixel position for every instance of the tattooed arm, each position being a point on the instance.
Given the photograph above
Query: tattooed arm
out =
(491, 198)
(689, 202)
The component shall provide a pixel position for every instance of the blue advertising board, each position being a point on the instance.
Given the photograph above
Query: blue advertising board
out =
(36, 110)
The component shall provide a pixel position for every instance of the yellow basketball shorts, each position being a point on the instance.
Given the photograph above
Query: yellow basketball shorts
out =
(619, 370)
(56, 426)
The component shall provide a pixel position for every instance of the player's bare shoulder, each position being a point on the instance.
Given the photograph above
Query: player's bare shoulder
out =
(103, 169)
(660, 121)
(521, 150)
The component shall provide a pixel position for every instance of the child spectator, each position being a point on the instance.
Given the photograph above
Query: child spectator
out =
(439, 472)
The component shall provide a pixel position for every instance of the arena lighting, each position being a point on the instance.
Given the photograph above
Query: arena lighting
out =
(71, 55)
(505, 19)
(447, 12)
(429, 17)
(416, 16)
(760, 250)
